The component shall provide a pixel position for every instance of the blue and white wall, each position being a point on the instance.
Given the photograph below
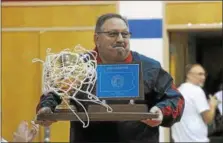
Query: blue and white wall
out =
(146, 24)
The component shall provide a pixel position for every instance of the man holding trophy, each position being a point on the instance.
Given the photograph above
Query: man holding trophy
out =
(160, 96)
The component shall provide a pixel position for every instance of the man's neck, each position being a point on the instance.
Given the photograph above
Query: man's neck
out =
(103, 60)
(188, 81)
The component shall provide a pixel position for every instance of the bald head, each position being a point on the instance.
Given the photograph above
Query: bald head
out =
(195, 74)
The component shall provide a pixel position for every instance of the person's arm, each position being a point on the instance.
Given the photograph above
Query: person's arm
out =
(50, 100)
(171, 102)
(207, 113)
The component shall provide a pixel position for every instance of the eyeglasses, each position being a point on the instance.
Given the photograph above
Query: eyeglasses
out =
(115, 34)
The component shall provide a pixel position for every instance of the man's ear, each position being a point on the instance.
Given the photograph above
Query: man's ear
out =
(96, 39)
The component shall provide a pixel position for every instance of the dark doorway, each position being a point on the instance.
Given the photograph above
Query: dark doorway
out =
(205, 48)
(209, 53)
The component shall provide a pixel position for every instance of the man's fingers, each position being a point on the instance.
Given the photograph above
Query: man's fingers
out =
(210, 96)
(154, 121)
(151, 123)
(39, 122)
(213, 97)
(144, 121)
(44, 110)
(45, 123)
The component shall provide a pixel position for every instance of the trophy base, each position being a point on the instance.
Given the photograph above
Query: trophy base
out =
(99, 113)
(99, 116)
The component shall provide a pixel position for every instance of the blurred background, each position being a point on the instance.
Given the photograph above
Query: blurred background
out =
(175, 33)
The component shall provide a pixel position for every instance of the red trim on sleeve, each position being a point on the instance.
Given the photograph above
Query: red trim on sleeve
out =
(167, 111)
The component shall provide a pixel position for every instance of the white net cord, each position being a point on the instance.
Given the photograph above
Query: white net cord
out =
(65, 73)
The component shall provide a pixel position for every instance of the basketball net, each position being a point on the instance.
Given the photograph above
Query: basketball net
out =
(70, 70)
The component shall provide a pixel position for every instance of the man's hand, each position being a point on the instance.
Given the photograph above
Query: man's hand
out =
(213, 101)
(45, 123)
(157, 121)
(23, 134)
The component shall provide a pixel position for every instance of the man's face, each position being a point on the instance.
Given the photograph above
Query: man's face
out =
(113, 40)
(197, 75)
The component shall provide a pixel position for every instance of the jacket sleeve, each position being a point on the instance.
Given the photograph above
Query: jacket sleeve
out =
(50, 100)
(171, 102)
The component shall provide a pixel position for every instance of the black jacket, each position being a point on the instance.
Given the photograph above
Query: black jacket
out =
(159, 91)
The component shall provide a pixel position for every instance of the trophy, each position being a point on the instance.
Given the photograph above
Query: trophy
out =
(64, 80)
(103, 92)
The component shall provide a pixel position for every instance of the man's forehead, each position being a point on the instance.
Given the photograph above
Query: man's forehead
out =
(197, 68)
(114, 24)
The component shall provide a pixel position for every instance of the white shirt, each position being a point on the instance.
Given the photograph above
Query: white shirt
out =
(219, 95)
(191, 127)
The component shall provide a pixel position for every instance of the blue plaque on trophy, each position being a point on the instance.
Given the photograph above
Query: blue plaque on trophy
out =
(118, 81)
